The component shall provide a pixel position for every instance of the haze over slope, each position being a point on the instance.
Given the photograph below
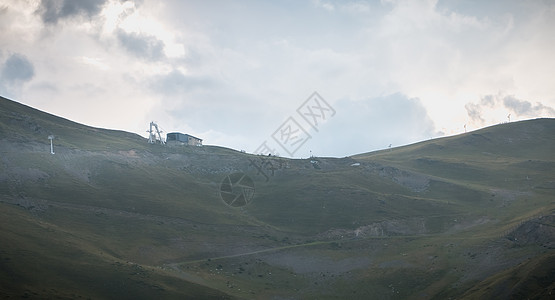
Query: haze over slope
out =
(110, 215)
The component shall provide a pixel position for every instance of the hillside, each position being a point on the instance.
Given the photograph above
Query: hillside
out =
(111, 216)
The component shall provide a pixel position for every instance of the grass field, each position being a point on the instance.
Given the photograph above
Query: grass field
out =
(111, 216)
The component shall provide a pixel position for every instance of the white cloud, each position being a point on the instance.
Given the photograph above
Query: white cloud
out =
(352, 7)
(446, 57)
(94, 62)
(114, 13)
(325, 5)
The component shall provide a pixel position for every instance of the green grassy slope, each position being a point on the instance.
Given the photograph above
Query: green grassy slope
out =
(531, 279)
(110, 215)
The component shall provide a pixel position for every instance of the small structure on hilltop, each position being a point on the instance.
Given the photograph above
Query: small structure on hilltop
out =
(51, 137)
(154, 134)
(177, 138)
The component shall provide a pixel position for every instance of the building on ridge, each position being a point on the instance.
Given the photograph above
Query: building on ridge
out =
(177, 138)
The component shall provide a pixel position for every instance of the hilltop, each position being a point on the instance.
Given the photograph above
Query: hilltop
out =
(111, 216)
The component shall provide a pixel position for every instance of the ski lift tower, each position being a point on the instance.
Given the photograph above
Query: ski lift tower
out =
(154, 134)
(51, 137)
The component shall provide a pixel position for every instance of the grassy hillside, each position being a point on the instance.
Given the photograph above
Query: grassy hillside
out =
(111, 216)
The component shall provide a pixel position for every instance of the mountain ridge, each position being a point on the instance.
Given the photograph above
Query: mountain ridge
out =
(434, 218)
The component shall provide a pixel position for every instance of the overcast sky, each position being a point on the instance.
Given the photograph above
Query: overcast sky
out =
(242, 74)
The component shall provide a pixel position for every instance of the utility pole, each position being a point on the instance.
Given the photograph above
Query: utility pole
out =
(51, 137)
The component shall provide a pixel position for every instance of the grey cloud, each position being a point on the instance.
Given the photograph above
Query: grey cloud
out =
(519, 107)
(525, 108)
(474, 111)
(53, 10)
(488, 100)
(17, 68)
(141, 45)
(175, 83)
